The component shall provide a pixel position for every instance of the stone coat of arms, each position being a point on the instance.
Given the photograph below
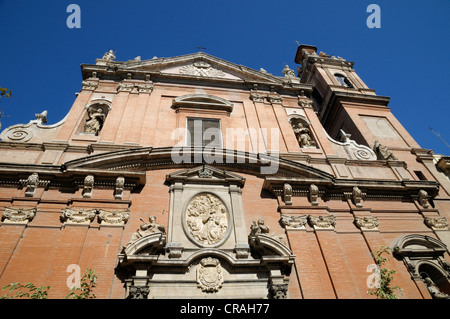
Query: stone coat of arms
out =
(209, 275)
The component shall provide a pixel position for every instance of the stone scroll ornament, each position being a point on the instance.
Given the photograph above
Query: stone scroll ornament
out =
(207, 219)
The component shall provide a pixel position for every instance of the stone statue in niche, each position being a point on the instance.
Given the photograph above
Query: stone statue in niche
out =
(146, 229)
(94, 123)
(302, 133)
(382, 152)
(207, 219)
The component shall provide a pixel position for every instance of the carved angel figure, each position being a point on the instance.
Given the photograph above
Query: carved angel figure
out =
(146, 229)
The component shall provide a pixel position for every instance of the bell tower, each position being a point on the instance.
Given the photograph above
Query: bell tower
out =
(344, 103)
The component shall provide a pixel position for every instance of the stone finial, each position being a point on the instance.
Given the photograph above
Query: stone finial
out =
(41, 117)
(110, 56)
(288, 72)
(13, 215)
(313, 194)
(88, 186)
(287, 194)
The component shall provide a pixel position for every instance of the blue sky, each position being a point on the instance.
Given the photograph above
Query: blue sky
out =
(406, 59)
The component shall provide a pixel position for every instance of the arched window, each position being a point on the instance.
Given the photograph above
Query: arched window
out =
(343, 80)
(423, 256)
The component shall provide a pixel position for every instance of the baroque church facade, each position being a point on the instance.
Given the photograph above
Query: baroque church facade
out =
(194, 177)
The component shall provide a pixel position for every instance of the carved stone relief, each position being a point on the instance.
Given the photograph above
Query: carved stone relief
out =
(423, 199)
(18, 215)
(138, 292)
(209, 275)
(78, 216)
(322, 221)
(201, 68)
(313, 194)
(287, 194)
(120, 186)
(367, 223)
(207, 219)
(294, 221)
(437, 223)
(88, 186)
(113, 217)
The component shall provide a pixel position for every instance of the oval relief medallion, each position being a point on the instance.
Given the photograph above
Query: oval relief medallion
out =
(207, 219)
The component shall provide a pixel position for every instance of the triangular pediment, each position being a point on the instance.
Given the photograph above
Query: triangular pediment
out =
(200, 65)
(205, 174)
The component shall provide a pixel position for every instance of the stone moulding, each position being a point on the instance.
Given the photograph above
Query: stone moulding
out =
(13, 215)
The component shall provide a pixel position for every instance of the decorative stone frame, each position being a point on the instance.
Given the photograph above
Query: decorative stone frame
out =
(418, 251)
(174, 264)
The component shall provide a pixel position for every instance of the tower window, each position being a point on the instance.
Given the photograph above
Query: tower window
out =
(343, 80)
(203, 132)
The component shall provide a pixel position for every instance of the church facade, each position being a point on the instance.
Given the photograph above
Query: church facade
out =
(194, 177)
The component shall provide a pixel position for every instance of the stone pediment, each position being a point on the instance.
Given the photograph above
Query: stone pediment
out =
(205, 174)
(197, 65)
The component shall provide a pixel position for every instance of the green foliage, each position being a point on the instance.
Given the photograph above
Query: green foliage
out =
(5, 92)
(87, 283)
(32, 293)
(384, 289)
